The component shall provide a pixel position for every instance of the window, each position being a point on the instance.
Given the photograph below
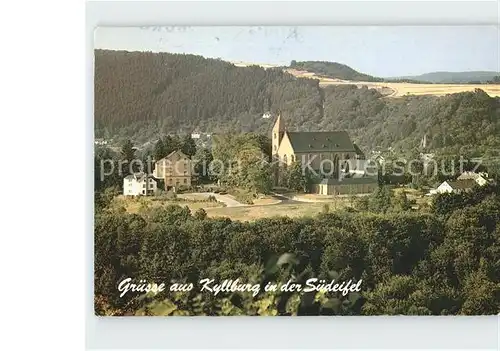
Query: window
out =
(293, 158)
(185, 181)
(169, 180)
(185, 172)
(274, 135)
(144, 185)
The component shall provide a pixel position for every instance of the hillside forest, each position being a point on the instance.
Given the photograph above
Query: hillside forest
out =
(143, 96)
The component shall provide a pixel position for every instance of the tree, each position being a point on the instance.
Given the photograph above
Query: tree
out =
(481, 295)
(380, 200)
(401, 202)
(200, 214)
(128, 155)
(159, 151)
(188, 146)
(202, 160)
(396, 296)
(128, 151)
(299, 178)
(170, 144)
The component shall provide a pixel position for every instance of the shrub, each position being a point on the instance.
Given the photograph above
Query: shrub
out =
(211, 198)
(170, 195)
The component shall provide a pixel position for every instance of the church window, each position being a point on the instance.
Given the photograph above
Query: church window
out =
(274, 135)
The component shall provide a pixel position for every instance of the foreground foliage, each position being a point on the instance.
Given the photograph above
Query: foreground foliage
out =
(438, 263)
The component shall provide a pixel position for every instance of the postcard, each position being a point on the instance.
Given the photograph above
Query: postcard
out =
(296, 171)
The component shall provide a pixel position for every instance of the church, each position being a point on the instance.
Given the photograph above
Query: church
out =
(338, 165)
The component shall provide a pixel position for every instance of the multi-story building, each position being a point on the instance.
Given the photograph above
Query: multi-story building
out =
(175, 169)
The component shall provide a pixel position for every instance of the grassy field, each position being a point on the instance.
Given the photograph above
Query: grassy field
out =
(250, 213)
(401, 89)
(136, 205)
(391, 89)
(265, 207)
(262, 208)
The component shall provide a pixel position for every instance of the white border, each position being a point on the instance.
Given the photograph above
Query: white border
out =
(304, 332)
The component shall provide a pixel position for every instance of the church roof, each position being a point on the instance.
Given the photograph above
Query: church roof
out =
(321, 141)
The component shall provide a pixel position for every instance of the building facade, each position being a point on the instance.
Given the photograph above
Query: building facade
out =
(346, 186)
(139, 184)
(331, 155)
(175, 169)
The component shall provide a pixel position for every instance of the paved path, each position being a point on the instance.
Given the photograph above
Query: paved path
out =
(285, 199)
(231, 202)
(228, 200)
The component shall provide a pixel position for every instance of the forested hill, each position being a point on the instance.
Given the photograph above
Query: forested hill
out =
(333, 70)
(155, 93)
(463, 123)
(142, 96)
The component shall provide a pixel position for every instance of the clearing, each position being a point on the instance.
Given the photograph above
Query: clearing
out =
(390, 89)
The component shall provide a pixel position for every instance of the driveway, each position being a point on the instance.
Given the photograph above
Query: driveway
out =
(227, 199)
(284, 199)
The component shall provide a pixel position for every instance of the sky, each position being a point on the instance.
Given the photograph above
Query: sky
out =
(383, 51)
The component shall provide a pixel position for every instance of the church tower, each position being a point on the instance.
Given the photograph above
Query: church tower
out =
(278, 132)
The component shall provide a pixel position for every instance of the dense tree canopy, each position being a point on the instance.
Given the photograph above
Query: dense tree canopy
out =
(409, 262)
(333, 70)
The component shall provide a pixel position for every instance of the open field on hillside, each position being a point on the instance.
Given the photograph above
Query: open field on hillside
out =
(390, 89)
(401, 89)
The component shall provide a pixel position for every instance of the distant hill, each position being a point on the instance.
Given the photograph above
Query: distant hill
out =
(456, 77)
(146, 95)
(340, 71)
(333, 70)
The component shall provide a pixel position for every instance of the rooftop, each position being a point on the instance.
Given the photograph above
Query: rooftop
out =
(337, 141)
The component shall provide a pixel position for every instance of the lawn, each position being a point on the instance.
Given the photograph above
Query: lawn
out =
(250, 213)
(136, 205)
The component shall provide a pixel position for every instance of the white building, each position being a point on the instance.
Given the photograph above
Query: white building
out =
(455, 186)
(100, 142)
(135, 184)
